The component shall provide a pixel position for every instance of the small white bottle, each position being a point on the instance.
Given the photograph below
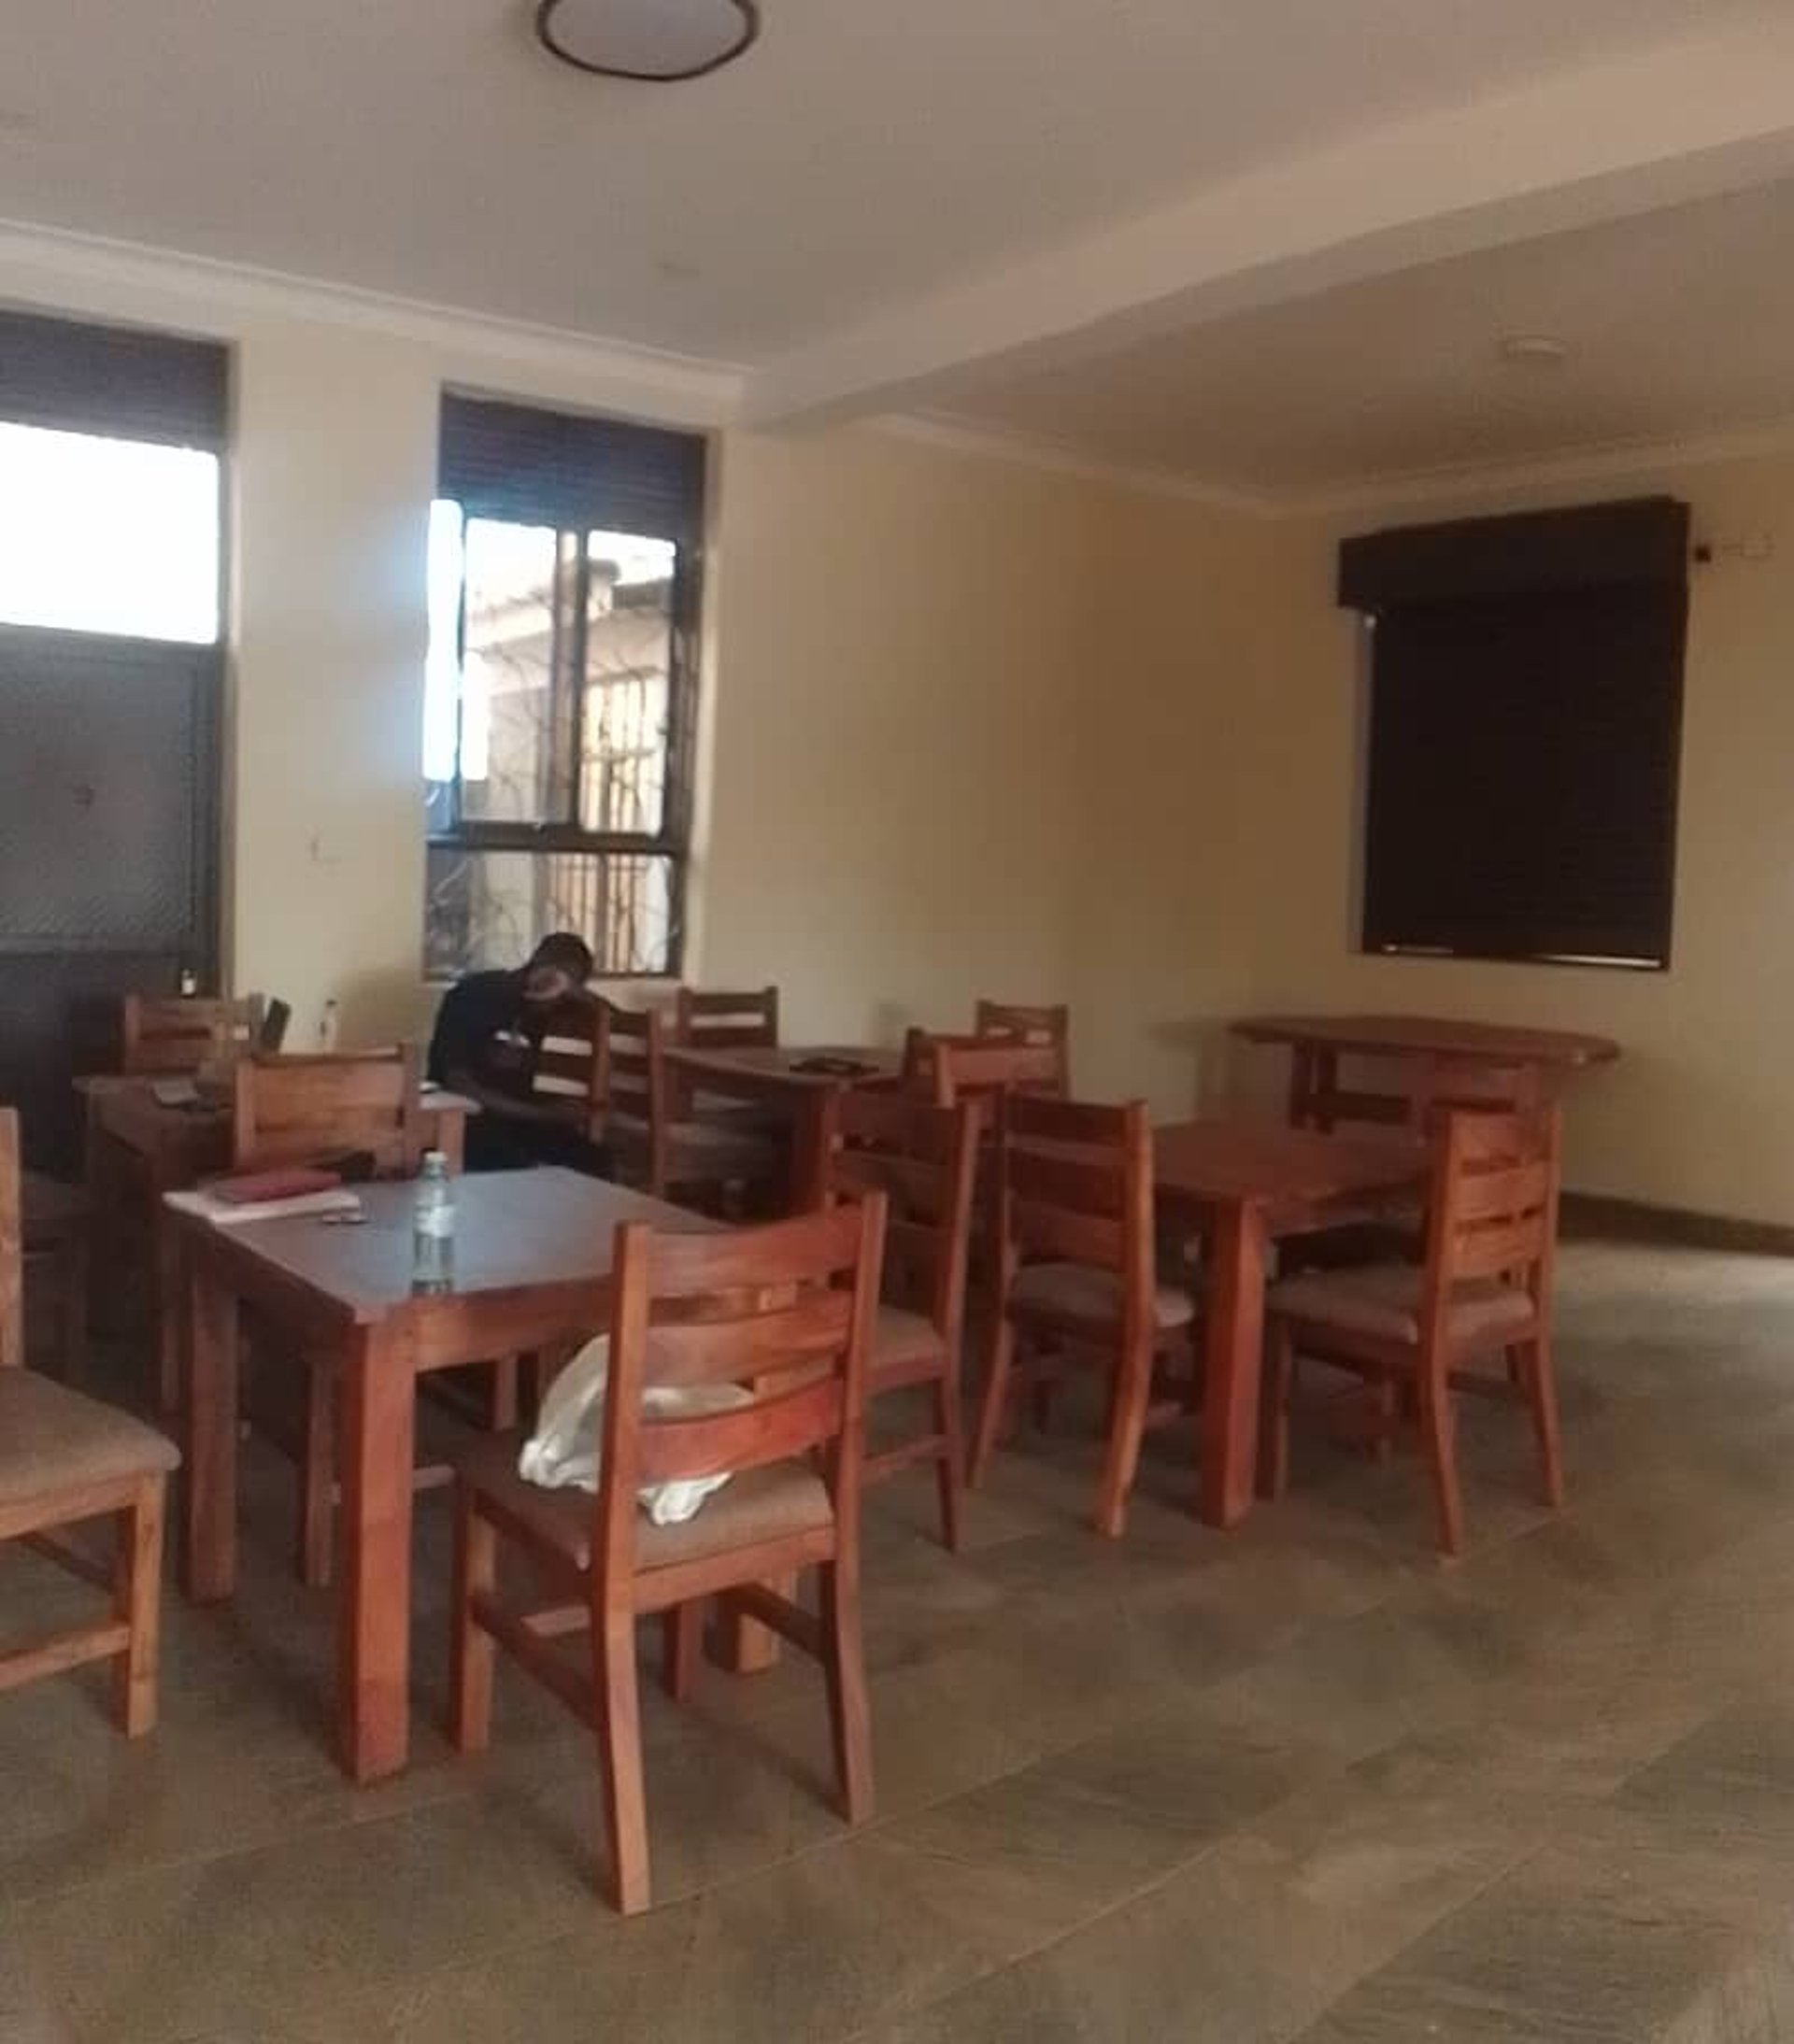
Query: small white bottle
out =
(432, 1227)
(327, 1029)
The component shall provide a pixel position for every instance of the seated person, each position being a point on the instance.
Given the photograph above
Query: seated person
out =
(487, 1044)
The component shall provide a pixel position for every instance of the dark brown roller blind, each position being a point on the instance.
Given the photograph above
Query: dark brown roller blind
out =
(1523, 766)
(124, 382)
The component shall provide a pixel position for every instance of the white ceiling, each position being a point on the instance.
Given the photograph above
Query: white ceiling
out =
(1049, 214)
(1679, 323)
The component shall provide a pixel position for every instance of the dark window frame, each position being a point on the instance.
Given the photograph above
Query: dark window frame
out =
(563, 834)
(1521, 672)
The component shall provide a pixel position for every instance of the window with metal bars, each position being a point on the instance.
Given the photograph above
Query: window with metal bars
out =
(559, 711)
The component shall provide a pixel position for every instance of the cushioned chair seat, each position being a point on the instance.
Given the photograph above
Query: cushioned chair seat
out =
(1384, 1301)
(1081, 1293)
(904, 1343)
(763, 1504)
(53, 1439)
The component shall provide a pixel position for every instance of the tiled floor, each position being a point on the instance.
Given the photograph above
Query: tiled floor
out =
(1300, 1783)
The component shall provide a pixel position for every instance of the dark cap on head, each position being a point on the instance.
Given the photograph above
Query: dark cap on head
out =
(565, 953)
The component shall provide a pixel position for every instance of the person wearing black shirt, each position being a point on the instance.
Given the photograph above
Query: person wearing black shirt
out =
(487, 1044)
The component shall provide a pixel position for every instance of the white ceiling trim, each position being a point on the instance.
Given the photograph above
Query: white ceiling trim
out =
(1594, 463)
(1024, 451)
(47, 269)
(1704, 115)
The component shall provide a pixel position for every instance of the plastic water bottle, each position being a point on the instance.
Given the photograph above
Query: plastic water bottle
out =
(432, 1227)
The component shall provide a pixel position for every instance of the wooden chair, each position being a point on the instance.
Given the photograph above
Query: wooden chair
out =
(573, 1065)
(319, 1110)
(1029, 1025)
(307, 1110)
(1483, 1289)
(725, 1021)
(787, 1309)
(170, 1036)
(780, 1122)
(922, 1158)
(1076, 1225)
(64, 1458)
(656, 1149)
(946, 1069)
(57, 1225)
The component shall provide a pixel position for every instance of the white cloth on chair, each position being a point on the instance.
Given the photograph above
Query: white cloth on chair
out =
(566, 1447)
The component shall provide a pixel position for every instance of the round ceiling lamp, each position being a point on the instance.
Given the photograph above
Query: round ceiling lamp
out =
(655, 40)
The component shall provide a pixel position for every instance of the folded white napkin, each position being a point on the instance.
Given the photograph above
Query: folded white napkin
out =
(566, 1446)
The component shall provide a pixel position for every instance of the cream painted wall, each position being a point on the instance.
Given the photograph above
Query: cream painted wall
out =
(334, 440)
(1701, 1111)
(904, 635)
(969, 727)
(897, 635)
(1229, 885)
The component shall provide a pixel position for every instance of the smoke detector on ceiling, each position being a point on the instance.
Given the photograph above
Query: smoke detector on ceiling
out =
(1535, 350)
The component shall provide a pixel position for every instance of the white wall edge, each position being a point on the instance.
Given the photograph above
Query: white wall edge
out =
(1024, 451)
(48, 269)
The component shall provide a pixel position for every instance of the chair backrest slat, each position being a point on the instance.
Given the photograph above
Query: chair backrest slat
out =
(948, 1068)
(1492, 1209)
(923, 1159)
(1077, 1187)
(704, 1444)
(162, 1035)
(766, 1331)
(298, 1109)
(1030, 1023)
(785, 1311)
(12, 1330)
(573, 1061)
(718, 1020)
(637, 1109)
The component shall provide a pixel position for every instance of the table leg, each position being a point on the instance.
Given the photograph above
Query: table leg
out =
(743, 1645)
(1233, 1362)
(377, 1406)
(169, 1291)
(210, 1404)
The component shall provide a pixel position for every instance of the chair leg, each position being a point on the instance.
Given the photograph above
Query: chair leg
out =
(1541, 1384)
(505, 1380)
(949, 1471)
(1436, 1434)
(1274, 1408)
(1127, 1425)
(681, 1648)
(996, 1397)
(136, 1599)
(471, 1650)
(619, 1753)
(72, 1306)
(844, 1665)
(317, 1480)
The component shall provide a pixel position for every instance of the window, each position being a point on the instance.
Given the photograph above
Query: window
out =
(111, 454)
(558, 716)
(1524, 734)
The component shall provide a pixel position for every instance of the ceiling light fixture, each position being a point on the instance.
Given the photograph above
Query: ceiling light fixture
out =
(658, 41)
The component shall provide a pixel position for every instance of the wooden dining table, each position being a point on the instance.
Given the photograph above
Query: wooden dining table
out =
(838, 1064)
(134, 1135)
(531, 1270)
(1242, 1185)
(1435, 1053)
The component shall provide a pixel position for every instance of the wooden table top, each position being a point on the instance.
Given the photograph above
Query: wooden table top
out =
(787, 1060)
(1235, 1163)
(515, 1232)
(1437, 1036)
